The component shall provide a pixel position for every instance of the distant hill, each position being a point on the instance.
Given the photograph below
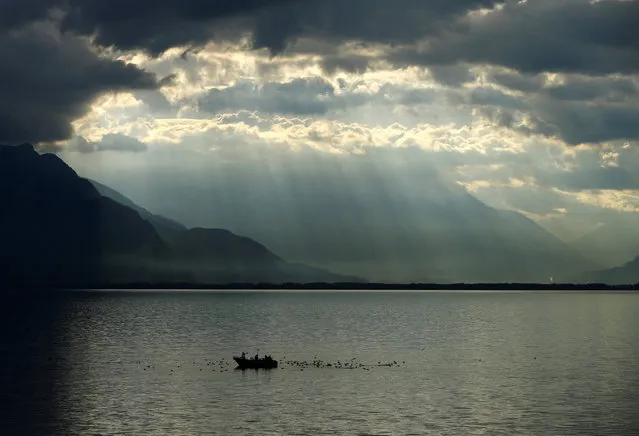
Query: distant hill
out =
(621, 275)
(612, 244)
(57, 229)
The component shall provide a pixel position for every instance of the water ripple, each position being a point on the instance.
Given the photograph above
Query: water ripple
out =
(534, 364)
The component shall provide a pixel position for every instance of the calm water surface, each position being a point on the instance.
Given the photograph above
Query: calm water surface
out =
(529, 363)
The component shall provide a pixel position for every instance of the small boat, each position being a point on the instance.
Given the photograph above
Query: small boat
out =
(266, 362)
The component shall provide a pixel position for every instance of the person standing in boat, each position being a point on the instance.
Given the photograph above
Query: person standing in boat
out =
(243, 355)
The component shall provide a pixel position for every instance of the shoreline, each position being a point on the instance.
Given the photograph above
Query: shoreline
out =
(370, 287)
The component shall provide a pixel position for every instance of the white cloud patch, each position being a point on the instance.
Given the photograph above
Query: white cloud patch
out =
(626, 201)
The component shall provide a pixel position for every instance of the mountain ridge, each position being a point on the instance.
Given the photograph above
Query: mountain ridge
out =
(57, 228)
(619, 275)
(451, 238)
(166, 227)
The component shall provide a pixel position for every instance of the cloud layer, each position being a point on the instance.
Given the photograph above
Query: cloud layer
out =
(591, 40)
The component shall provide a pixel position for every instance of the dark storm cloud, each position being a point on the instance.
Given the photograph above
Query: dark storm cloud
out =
(516, 81)
(349, 64)
(52, 77)
(580, 110)
(542, 35)
(573, 87)
(157, 26)
(578, 122)
(16, 13)
(160, 25)
(452, 75)
(574, 123)
(47, 80)
(535, 36)
(374, 21)
(600, 88)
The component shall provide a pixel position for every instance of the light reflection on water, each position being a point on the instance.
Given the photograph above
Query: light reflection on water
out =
(476, 363)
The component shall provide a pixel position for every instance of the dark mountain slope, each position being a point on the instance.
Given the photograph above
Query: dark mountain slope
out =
(55, 225)
(56, 229)
(166, 227)
(218, 253)
(219, 245)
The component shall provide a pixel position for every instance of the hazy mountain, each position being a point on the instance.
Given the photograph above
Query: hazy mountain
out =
(613, 243)
(441, 234)
(219, 255)
(56, 228)
(58, 224)
(166, 227)
(621, 275)
(396, 222)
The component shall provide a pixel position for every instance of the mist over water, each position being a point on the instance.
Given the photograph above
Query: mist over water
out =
(475, 363)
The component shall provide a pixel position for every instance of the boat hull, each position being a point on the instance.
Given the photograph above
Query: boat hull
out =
(255, 364)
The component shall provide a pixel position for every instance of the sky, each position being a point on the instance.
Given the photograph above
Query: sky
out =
(194, 107)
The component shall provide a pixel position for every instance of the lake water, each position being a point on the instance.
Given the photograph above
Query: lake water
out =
(480, 363)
